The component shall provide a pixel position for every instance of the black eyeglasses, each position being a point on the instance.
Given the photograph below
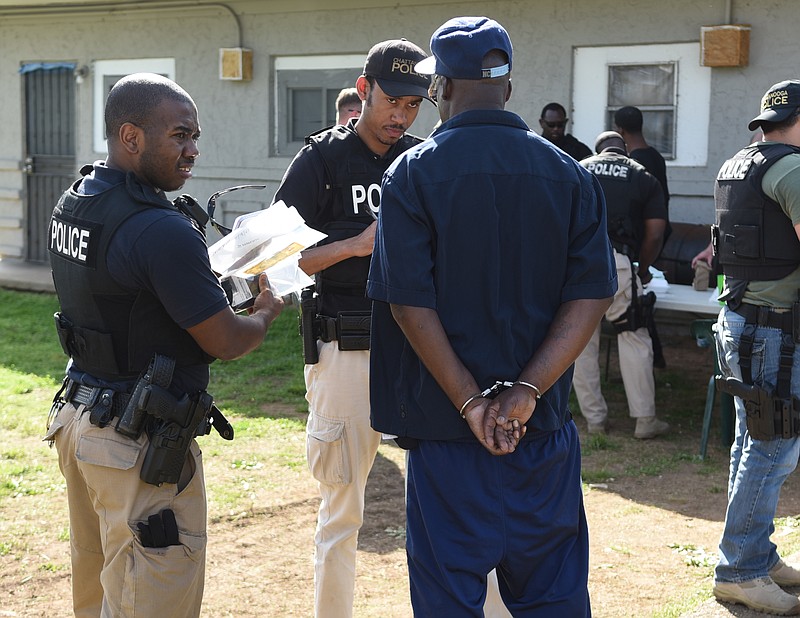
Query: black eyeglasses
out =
(556, 125)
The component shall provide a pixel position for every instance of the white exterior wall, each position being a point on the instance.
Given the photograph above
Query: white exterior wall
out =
(236, 117)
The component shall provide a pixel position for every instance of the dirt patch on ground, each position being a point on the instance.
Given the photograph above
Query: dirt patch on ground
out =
(655, 520)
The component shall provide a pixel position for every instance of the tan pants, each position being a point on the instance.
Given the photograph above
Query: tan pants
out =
(341, 448)
(113, 575)
(635, 360)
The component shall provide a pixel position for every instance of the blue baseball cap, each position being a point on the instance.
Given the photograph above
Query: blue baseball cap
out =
(459, 45)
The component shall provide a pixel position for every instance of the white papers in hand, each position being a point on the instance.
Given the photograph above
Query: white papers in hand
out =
(268, 241)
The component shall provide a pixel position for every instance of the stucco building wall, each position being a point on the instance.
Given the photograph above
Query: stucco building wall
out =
(237, 117)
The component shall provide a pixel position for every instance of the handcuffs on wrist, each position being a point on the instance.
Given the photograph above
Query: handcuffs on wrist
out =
(494, 390)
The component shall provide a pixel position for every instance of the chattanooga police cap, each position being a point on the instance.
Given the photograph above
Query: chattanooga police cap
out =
(459, 46)
(778, 103)
(392, 62)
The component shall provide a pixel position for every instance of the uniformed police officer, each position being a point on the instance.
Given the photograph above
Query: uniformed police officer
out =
(757, 198)
(334, 182)
(636, 218)
(137, 293)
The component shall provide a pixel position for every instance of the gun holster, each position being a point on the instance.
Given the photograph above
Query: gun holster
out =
(309, 325)
(350, 329)
(767, 416)
(638, 315)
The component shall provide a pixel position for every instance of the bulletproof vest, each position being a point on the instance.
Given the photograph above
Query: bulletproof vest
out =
(353, 176)
(615, 172)
(753, 237)
(113, 332)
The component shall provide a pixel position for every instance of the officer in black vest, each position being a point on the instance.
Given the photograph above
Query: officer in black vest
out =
(334, 182)
(757, 241)
(142, 316)
(636, 217)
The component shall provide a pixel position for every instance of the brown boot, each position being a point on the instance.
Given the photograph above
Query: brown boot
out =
(649, 427)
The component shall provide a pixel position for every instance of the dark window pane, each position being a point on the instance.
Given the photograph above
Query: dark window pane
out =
(330, 107)
(305, 109)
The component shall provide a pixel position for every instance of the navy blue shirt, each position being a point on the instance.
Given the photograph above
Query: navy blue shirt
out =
(160, 250)
(494, 228)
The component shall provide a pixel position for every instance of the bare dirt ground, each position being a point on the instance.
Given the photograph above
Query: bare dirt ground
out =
(653, 535)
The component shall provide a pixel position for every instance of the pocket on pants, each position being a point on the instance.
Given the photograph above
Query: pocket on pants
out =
(164, 579)
(105, 447)
(326, 450)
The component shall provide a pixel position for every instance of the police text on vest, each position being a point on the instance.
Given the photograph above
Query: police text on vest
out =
(734, 169)
(69, 240)
(371, 195)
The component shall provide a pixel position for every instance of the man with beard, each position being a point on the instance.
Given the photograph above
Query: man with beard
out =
(334, 182)
(138, 296)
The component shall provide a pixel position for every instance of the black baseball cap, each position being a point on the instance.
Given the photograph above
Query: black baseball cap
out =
(778, 103)
(392, 63)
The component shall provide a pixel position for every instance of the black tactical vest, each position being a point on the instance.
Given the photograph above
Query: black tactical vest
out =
(353, 182)
(753, 237)
(114, 333)
(616, 172)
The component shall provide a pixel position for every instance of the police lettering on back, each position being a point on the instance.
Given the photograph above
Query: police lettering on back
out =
(734, 169)
(604, 168)
(70, 240)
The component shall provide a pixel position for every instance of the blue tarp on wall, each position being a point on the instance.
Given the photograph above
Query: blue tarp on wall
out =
(30, 67)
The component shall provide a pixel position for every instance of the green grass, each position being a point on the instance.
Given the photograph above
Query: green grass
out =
(265, 467)
(262, 394)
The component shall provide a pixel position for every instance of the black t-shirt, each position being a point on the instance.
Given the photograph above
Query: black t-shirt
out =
(574, 147)
(655, 164)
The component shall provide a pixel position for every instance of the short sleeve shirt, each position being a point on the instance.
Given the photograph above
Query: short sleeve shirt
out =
(159, 250)
(494, 228)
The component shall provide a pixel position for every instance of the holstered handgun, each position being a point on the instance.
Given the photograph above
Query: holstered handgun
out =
(767, 416)
(171, 436)
(309, 308)
(149, 396)
(639, 314)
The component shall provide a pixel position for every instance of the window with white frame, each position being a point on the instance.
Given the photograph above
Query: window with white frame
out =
(305, 91)
(109, 72)
(665, 81)
(651, 88)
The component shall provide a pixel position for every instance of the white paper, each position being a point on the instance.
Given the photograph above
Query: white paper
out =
(270, 241)
(658, 283)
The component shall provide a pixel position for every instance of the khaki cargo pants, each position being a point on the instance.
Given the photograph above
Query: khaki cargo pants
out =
(113, 575)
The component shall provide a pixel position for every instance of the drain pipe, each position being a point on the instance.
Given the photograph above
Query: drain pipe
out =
(109, 7)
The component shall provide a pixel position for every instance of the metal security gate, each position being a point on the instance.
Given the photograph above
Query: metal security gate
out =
(49, 147)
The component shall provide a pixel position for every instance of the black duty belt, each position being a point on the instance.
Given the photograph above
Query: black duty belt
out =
(764, 316)
(106, 401)
(350, 328)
